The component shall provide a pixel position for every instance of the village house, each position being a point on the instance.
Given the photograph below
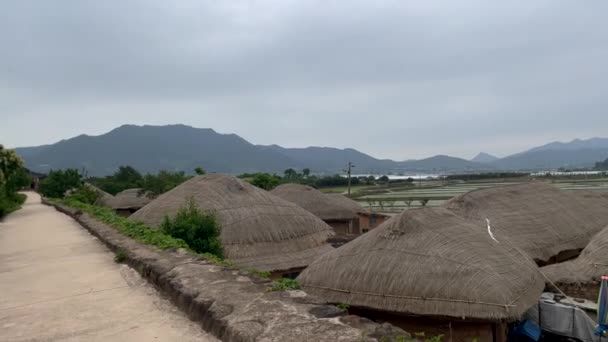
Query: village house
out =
(128, 201)
(342, 218)
(367, 218)
(580, 278)
(258, 230)
(428, 270)
(546, 223)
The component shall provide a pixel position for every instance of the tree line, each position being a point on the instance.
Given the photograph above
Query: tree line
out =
(58, 182)
(74, 182)
(269, 181)
(602, 165)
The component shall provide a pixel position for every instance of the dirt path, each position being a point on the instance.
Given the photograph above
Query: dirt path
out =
(58, 283)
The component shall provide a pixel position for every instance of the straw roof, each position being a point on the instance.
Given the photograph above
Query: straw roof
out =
(129, 199)
(105, 199)
(539, 218)
(259, 229)
(590, 265)
(316, 202)
(428, 262)
(349, 203)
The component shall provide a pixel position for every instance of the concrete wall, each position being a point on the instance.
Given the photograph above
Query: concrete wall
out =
(452, 330)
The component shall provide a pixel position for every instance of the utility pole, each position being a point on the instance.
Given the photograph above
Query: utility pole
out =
(348, 172)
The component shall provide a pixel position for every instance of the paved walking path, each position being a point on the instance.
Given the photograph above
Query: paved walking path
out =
(59, 283)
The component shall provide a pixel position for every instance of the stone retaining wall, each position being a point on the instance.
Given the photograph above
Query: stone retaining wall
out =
(230, 304)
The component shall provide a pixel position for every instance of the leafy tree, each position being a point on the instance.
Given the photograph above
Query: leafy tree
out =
(199, 229)
(383, 179)
(13, 177)
(306, 172)
(57, 183)
(155, 185)
(290, 174)
(265, 181)
(127, 174)
(200, 171)
(126, 177)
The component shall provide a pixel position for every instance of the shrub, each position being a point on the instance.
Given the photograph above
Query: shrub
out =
(285, 284)
(85, 195)
(199, 229)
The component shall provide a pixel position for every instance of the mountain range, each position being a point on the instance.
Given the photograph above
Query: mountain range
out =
(180, 147)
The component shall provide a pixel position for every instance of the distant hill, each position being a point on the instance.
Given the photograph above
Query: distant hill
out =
(183, 148)
(575, 154)
(180, 147)
(334, 159)
(484, 158)
(153, 148)
(443, 163)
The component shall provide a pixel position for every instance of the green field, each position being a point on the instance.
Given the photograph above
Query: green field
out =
(395, 198)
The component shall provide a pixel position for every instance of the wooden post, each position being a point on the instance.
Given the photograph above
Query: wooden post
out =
(348, 172)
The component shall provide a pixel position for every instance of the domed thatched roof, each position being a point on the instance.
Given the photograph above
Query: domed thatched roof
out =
(105, 199)
(129, 199)
(349, 203)
(428, 262)
(590, 265)
(539, 218)
(258, 229)
(315, 201)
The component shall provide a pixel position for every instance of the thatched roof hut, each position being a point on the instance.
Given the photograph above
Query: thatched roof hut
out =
(547, 223)
(590, 265)
(580, 277)
(349, 203)
(342, 218)
(105, 199)
(428, 262)
(129, 199)
(316, 202)
(259, 230)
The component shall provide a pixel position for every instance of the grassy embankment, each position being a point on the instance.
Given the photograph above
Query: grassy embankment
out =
(146, 235)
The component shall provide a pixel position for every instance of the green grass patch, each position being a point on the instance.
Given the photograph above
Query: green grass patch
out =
(285, 284)
(260, 274)
(135, 230)
(120, 257)
(342, 306)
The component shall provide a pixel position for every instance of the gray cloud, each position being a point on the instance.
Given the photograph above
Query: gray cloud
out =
(398, 79)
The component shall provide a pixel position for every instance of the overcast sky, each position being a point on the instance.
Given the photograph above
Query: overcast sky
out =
(396, 79)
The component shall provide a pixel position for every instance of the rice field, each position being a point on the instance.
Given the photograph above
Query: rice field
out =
(394, 199)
